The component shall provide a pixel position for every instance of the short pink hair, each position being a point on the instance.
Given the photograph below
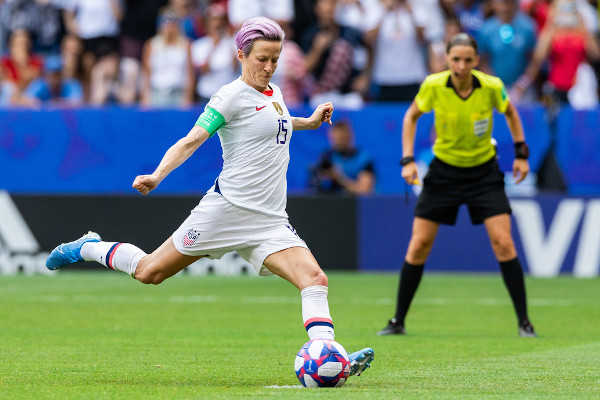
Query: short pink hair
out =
(255, 29)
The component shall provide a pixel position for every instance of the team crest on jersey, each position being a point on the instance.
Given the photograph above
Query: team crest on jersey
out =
(190, 237)
(278, 107)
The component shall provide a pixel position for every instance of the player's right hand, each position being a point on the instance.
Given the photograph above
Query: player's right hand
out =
(145, 183)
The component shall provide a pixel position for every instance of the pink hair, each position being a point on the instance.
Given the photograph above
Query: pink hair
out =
(255, 29)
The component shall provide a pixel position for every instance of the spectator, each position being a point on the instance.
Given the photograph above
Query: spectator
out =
(507, 35)
(20, 66)
(398, 78)
(214, 56)
(41, 18)
(167, 63)
(470, 13)
(564, 43)
(189, 21)
(329, 49)
(138, 25)
(71, 50)
(344, 168)
(53, 88)
(291, 75)
(7, 91)
(241, 10)
(97, 24)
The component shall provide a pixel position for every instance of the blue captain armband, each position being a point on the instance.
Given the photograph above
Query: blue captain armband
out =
(211, 120)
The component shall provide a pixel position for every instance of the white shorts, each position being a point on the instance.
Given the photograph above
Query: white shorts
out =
(216, 227)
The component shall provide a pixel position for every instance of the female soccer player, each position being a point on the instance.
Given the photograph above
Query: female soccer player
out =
(245, 209)
(464, 171)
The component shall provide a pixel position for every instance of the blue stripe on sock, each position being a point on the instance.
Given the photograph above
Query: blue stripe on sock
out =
(319, 323)
(109, 253)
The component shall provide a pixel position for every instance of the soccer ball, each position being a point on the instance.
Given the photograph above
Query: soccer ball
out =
(322, 363)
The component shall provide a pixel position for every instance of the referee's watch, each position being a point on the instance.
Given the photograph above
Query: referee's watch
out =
(406, 160)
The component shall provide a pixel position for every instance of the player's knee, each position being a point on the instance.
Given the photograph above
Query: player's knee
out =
(148, 275)
(316, 277)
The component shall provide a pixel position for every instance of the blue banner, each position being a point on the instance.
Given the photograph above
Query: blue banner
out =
(101, 150)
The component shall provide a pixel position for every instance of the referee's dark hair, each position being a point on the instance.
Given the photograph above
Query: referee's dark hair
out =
(462, 39)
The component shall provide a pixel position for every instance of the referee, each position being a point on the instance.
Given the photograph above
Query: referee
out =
(464, 171)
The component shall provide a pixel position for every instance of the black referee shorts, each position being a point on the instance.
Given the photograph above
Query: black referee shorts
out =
(446, 187)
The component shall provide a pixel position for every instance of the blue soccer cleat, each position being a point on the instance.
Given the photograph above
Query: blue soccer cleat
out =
(69, 253)
(361, 360)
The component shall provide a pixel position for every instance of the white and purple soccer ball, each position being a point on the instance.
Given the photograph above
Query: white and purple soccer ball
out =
(322, 363)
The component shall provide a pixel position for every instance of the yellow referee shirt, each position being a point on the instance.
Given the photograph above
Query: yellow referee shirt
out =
(463, 126)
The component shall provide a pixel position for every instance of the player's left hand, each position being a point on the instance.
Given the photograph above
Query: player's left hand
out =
(520, 169)
(322, 113)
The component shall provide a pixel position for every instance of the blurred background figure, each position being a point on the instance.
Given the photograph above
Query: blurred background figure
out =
(240, 11)
(329, 49)
(397, 78)
(168, 69)
(71, 52)
(137, 26)
(41, 18)
(190, 19)
(20, 65)
(7, 91)
(96, 23)
(508, 35)
(343, 168)
(215, 55)
(470, 13)
(291, 75)
(565, 44)
(53, 88)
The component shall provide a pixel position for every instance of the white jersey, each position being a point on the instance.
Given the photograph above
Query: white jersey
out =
(255, 140)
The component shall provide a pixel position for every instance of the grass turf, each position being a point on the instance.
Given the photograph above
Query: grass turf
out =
(103, 335)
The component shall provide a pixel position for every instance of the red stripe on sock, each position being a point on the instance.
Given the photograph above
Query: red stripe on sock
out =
(109, 262)
(317, 319)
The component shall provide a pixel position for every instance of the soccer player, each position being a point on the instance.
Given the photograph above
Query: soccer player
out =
(245, 209)
(464, 171)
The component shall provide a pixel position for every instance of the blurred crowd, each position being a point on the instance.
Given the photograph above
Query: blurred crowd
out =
(173, 53)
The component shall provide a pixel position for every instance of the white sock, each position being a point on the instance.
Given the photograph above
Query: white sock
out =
(114, 255)
(315, 313)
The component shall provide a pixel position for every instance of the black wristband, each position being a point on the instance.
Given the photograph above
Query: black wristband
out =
(406, 160)
(521, 150)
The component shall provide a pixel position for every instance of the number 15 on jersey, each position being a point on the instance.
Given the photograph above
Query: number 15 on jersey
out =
(282, 132)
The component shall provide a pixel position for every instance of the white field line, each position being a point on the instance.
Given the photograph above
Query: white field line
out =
(383, 301)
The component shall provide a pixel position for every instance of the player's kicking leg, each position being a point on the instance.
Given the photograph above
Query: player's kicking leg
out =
(307, 276)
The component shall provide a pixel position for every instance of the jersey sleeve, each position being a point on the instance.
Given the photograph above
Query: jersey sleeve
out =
(424, 98)
(225, 102)
(501, 98)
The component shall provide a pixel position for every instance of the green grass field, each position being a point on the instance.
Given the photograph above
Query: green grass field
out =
(103, 335)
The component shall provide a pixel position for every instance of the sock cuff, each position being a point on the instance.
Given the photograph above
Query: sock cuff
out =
(409, 265)
(514, 262)
(314, 290)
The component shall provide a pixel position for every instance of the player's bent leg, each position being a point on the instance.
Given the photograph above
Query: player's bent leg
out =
(162, 263)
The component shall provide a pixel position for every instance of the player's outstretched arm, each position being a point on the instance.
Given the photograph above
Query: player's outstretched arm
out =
(322, 113)
(173, 158)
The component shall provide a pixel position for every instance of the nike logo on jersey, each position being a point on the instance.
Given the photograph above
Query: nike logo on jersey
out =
(260, 108)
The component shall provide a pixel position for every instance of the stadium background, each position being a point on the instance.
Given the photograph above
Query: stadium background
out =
(69, 170)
